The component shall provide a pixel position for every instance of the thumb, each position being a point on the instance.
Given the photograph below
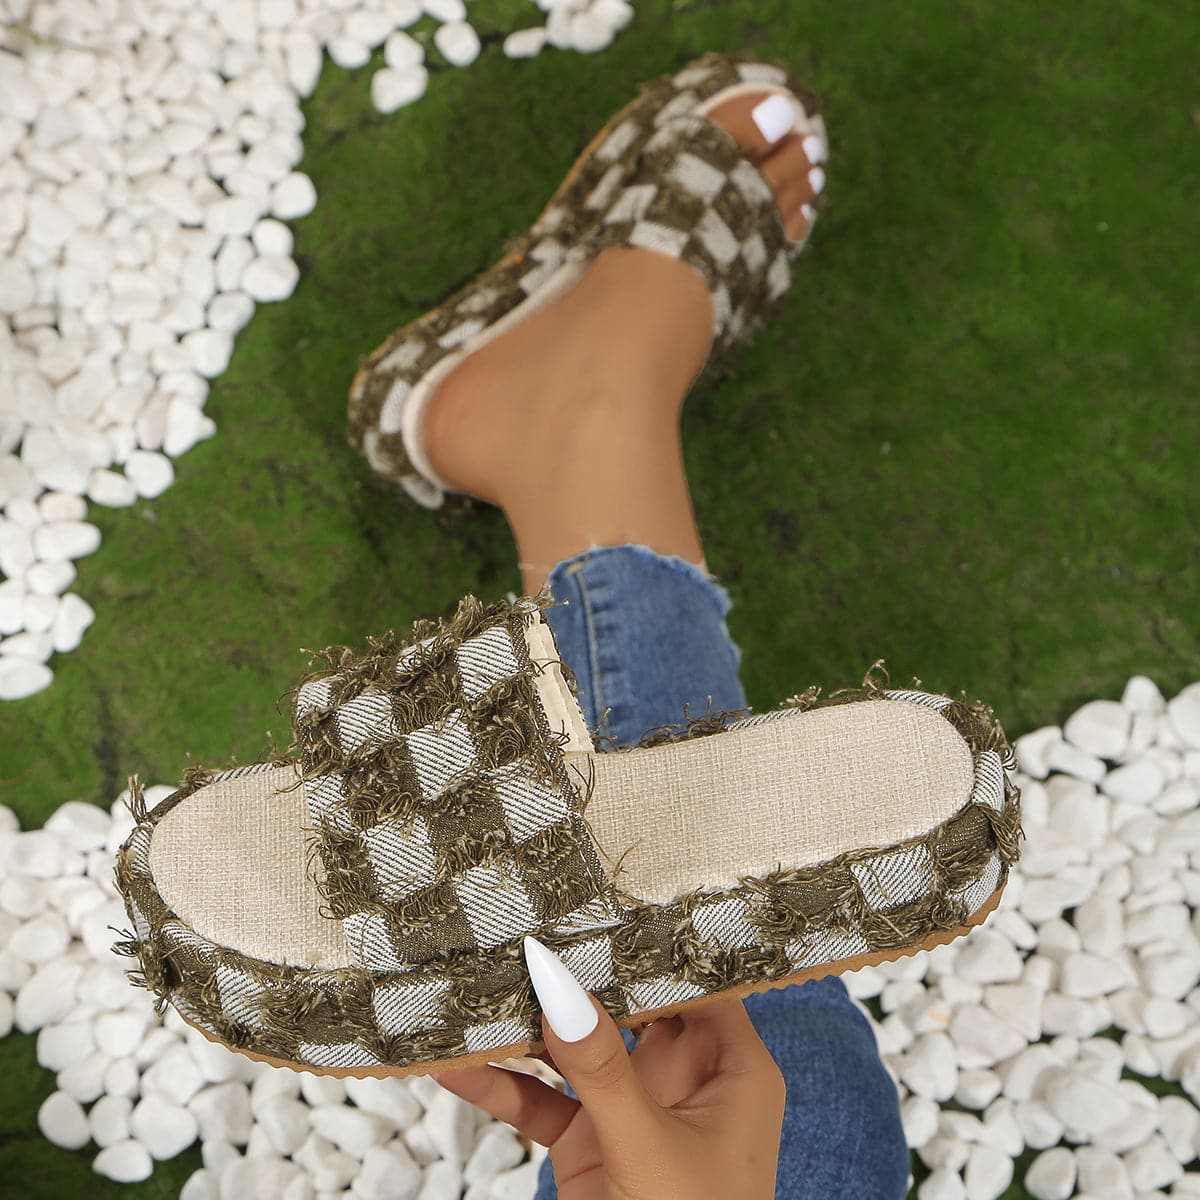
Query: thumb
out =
(588, 1050)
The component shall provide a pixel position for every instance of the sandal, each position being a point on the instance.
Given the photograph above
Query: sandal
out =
(659, 174)
(359, 909)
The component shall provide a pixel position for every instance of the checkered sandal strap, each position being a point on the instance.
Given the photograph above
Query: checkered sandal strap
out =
(697, 197)
(444, 816)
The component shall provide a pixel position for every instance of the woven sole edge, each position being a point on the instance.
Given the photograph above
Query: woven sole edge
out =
(480, 1058)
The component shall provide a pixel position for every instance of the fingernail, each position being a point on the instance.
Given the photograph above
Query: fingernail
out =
(815, 149)
(567, 1006)
(808, 213)
(816, 180)
(774, 116)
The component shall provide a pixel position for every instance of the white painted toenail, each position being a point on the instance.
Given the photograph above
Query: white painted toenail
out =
(816, 180)
(774, 117)
(814, 149)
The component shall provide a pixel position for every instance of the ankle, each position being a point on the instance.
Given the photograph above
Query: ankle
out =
(499, 435)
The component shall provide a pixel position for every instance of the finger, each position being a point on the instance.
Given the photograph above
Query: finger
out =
(626, 1120)
(738, 1047)
(525, 1102)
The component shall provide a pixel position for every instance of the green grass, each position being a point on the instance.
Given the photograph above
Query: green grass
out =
(968, 446)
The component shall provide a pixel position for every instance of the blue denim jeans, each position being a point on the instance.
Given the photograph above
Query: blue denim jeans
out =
(645, 634)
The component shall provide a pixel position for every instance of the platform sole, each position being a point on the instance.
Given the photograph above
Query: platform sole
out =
(526, 1048)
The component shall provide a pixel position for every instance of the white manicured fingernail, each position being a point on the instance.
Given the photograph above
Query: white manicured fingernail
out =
(774, 117)
(814, 149)
(808, 213)
(816, 180)
(567, 1006)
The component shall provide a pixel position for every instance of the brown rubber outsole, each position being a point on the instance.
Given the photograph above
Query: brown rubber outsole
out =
(527, 1048)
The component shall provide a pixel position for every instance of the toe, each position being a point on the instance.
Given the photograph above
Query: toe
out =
(792, 163)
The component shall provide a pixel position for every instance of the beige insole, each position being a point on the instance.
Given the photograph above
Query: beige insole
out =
(230, 859)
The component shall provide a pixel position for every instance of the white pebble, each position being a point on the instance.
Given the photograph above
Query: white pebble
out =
(388, 1173)
(293, 196)
(590, 33)
(919, 1117)
(1039, 1127)
(929, 1067)
(1086, 976)
(50, 578)
(351, 1131)
(272, 237)
(223, 1111)
(58, 1046)
(126, 1162)
(525, 43)
(989, 1171)
(981, 1038)
(392, 88)
(18, 289)
(1069, 759)
(458, 43)
(74, 616)
(451, 1124)
(108, 1120)
(1141, 695)
(1152, 1165)
(270, 277)
(1019, 1006)
(1031, 750)
(210, 350)
(402, 50)
(1179, 1122)
(1135, 782)
(62, 1121)
(1183, 714)
(285, 1121)
(22, 677)
(110, 488)
(164, 1129)
(387, 1098)
(1084, 1106)
(119, 1033)
(496, 1151)
(150, 473)
(40, 940)
(988, 957)
(443, 1181)
(1100, 727)
(1051, 1176)
(65, 539)
(445, 10)
(1101, 1171)
(941, 1185)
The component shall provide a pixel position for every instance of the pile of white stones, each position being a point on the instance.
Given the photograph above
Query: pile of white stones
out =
(148, 164)
(143, 1088)
(996, 1040)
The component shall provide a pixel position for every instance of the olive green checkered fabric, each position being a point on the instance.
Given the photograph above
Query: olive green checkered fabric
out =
(447, 831)
(662, 178)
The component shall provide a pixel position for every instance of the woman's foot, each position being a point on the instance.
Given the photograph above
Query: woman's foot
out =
(586, 394)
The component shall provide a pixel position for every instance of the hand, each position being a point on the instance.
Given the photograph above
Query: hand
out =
(695, 1112)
